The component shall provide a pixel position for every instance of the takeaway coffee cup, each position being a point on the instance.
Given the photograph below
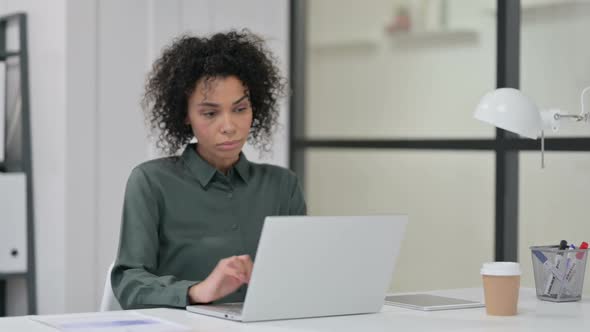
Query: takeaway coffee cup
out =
(501, 282)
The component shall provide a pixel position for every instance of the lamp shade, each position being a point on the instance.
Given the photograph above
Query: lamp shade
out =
(509, 109)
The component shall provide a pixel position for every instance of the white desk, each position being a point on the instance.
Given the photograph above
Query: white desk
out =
(534, 315)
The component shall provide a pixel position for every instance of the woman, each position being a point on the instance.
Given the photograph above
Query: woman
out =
(191, 223)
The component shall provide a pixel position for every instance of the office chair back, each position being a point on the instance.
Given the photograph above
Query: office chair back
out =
(109, 301)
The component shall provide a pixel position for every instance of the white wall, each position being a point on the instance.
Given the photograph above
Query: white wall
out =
(81, 166)
(88, 61)
(121, 138)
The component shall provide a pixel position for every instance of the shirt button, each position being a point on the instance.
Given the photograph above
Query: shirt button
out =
(230, 195)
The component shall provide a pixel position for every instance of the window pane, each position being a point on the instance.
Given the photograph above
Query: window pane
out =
(553, 204)
(555, 67)
(449, 197)
(365, 82)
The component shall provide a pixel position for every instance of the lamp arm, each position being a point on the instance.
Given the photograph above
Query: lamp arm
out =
(550, 119)
(583, 116)
(573, 116)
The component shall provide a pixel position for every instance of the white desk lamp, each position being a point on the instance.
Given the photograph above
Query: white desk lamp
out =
(511, 110)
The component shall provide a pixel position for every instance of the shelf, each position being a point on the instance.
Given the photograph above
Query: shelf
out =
(412, 38)
(551, 8)
(555, 9)
(4, 276)
(22, 161)
(433, 38)
(343, 45)
(9, 54)
(10, 166)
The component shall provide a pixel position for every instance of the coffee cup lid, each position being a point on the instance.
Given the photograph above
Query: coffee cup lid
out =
(501, 269)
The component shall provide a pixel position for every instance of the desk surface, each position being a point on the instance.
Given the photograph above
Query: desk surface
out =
(533, 315)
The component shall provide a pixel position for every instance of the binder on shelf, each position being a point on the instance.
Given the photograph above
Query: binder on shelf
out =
(13, 223)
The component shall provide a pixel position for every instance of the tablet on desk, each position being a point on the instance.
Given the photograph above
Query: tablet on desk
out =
(429, 302)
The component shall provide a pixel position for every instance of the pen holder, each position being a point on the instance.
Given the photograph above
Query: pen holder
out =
(559, 274)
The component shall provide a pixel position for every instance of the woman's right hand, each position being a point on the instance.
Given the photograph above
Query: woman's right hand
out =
(229, 274)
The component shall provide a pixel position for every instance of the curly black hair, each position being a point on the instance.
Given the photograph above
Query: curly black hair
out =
(189, 59)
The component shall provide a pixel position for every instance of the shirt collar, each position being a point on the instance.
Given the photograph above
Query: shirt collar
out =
(242, 167)
(204, 172)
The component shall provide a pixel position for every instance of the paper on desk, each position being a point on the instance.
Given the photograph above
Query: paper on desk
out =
(110, 322)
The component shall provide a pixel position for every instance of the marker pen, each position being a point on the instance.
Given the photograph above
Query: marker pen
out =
(569, 257)
(547, 265)
(570, 274)
(552, 282)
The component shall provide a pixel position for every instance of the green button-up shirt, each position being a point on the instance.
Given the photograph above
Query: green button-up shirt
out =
(181, 216)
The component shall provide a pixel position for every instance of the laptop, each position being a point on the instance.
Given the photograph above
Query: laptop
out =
(318, 266)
